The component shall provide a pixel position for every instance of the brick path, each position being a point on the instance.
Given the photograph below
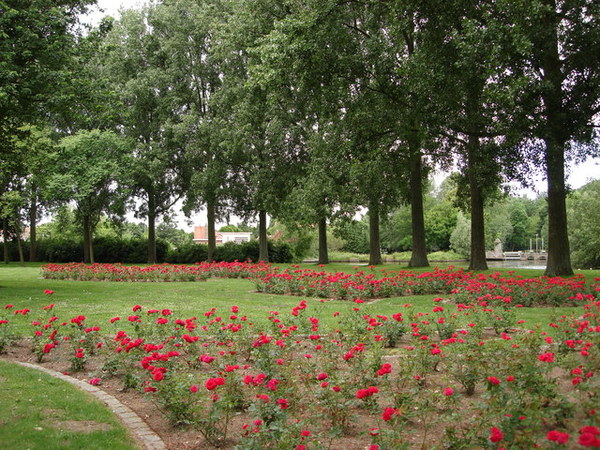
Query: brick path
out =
(138, 428)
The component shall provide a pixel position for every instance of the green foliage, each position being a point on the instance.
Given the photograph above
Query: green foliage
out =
(230, 228)
(460, 240)
(300, 238)
(396, 231)
(440, 220)
(187, 254)
(169, 233)
(498, 224)
(110, 250)
(36, 41)
(584, 225)
(355, 234)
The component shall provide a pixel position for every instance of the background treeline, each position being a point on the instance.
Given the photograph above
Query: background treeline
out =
(304, 113)
(515, 221)
(126, 242)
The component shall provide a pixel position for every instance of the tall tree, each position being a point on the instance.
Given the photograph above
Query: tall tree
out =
(264, 162)
(159, 172)
(560, 58)
(89, 169)
(39, 151)
(36, 41)
(299, 63)
(186, 29)
(468, 47)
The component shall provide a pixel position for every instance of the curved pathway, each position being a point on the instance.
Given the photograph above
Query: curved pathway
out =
(138, 428)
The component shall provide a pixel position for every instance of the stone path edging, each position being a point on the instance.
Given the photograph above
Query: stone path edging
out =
(138, 428)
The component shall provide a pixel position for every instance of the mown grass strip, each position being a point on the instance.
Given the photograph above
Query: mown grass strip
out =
(42, 412)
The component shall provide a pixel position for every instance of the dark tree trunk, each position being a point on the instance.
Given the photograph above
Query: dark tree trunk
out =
(87, 244)
(5, 237)
(152, 237)
(212, 238)
(151, 228)
(263, 245)
(477, 260)
(20, 249)
(91, 241)
(418, 257)
(33, 212)
(374, 243)
(323, 254)
(559, 256)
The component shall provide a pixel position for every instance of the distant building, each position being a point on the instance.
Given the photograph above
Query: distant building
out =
(201, 236)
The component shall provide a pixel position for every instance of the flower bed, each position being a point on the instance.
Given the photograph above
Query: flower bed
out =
(402, 381)
(460, 285)
(157, 272)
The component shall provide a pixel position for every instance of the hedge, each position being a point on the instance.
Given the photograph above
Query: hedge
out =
(110, 250)
(106, 250)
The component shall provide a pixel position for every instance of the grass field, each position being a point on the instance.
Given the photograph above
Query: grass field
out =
(23, 287)
(41, 412)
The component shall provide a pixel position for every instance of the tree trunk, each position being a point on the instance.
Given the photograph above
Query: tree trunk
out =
(91, 241)
(555, 137)
(86, 240)
(418, 257)
(559, 254)
(20, 249)
(151, 237)
(477, 260)
(263, 245)
(323, 254)
(374, 244)
(5, 238)
(212, 238)
(33, 212)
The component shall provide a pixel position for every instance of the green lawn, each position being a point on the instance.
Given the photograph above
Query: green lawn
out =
(23, 287)
(41, 412)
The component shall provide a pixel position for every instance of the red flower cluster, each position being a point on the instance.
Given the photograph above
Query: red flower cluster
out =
(213, 383)
(368, 392)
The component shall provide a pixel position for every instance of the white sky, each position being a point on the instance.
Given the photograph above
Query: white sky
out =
(111, 8)
(577, 175)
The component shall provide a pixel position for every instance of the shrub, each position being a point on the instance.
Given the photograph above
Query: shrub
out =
(230, 251)
(60, 250)
(187, 254)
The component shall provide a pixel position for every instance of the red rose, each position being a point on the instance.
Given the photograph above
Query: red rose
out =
(496, 435)
(493, 380)
(388, 413)
(557, 436)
